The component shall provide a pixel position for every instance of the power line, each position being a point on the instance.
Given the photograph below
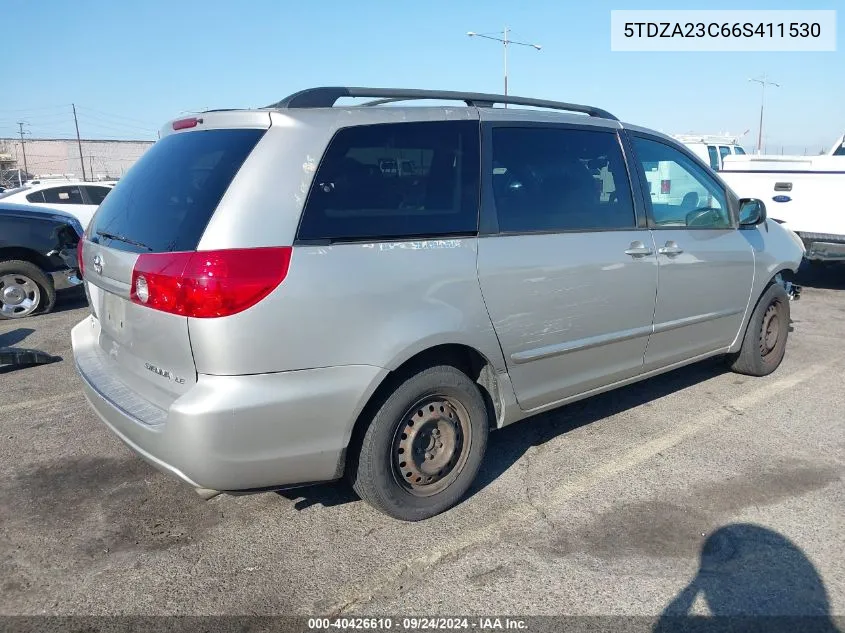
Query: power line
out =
(115, 116)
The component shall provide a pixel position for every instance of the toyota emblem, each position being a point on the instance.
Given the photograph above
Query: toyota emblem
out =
(98, 264)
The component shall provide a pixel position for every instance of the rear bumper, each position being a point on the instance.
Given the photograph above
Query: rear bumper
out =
(823, 246)
(234, 433)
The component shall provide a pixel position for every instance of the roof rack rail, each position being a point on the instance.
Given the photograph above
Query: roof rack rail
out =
(326, 97)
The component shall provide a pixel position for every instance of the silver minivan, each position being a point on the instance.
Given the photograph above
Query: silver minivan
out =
(271, 308)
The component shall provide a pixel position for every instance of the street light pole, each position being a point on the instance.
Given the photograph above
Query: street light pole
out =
(763, 81)
(506, 41)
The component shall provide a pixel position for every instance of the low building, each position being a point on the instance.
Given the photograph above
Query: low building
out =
(102, 159)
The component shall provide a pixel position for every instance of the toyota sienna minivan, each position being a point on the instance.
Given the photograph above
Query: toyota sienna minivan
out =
(269, 307)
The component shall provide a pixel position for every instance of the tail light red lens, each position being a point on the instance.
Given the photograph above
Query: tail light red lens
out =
(208, 284)
(665, 186)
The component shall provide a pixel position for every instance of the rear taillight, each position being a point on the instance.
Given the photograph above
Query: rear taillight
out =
(665, 186)
(206, 284)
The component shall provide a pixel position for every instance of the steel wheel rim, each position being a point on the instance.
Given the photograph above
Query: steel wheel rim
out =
(770, 329)
(431, 445)
(19, 296)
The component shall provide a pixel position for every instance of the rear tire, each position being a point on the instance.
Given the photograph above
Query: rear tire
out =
(764, 344)
(424, 445)
(24, 290)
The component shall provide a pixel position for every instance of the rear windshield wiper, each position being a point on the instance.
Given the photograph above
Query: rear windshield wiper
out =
(123, 238)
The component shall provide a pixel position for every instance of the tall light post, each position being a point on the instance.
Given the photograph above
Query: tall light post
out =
(763, 81)
(506, 41)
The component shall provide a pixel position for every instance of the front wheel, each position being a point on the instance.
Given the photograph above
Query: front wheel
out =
(423, 446)
(764, 344)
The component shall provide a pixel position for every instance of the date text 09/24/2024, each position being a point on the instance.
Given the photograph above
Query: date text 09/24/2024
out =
(417, 624)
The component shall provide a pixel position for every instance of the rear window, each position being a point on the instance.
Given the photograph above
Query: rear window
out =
(62, 195)
(360, 191)
(165, 201)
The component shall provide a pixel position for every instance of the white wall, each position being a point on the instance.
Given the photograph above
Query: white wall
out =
(109, 159)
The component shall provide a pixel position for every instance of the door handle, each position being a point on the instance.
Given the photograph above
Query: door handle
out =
(638, 249)
(671, 248)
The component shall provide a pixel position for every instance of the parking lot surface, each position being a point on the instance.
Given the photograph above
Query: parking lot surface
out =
(698, 491)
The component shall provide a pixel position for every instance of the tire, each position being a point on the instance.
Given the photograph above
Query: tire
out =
(764, 344)
(24, 290)
(423, 446)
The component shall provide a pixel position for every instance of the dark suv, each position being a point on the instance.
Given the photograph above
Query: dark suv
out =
(37, 258)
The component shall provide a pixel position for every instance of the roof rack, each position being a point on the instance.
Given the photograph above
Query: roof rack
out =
(326, 97)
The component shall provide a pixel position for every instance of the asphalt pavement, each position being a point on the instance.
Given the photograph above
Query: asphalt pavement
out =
(700, 491)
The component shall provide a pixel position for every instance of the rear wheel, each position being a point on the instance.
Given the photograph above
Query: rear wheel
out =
(24, 290)
(764, 344)
(424, 445)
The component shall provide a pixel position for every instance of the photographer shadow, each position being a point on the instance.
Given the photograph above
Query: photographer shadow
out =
(751, 579)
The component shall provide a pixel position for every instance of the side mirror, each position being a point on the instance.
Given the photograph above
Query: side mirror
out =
(751, 212)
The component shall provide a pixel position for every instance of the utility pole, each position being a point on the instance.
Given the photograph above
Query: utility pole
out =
(506, 41)
(91, 166)
(23, 148)
(763, 81)
(78, 141)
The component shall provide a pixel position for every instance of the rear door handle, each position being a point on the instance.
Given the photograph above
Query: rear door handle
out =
(638, 249)
(671, 248)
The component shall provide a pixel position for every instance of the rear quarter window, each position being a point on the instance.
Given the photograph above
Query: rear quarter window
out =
(165, 201)
(395, 181)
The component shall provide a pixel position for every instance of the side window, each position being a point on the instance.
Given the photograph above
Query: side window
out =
(724, 151)
(554, 179)
(35, 197)
(714, 157)
(396, 180)
(739, 150)
(689, 197)
(63, 195)
(96, 194)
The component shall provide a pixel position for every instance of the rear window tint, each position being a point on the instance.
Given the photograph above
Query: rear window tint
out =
(396, 180)
(63, 195)
(165, 201)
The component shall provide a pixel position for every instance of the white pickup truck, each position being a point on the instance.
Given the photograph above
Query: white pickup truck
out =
(805, 193)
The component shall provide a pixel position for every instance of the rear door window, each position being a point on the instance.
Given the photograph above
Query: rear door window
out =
(555, 179)
(63, 195)
(165, 201)
(96, 195)
(724, 151)
(363, 189)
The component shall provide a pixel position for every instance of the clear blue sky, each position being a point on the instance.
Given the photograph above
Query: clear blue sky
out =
(131, 66)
